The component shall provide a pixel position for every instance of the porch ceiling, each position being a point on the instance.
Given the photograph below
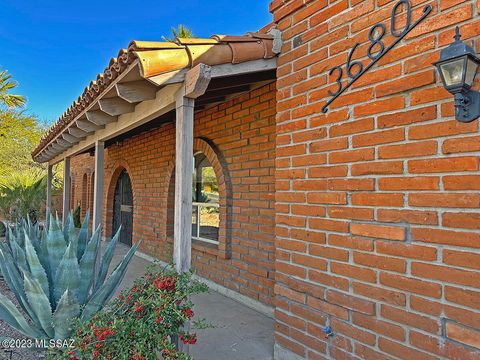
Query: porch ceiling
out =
(141, 83)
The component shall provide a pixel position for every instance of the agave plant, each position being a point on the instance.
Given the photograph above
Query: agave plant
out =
(54, 276)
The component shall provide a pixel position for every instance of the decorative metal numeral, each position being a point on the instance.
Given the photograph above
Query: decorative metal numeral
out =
(377, 49)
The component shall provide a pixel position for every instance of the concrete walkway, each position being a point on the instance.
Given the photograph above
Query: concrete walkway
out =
(240, 333)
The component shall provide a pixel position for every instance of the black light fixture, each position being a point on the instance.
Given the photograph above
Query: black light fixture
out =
(458, 67)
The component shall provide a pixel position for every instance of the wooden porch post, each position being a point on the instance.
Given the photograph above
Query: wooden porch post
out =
(98, 184)
(196, 83)
(66, 189)
(183, 183)
(48, 205)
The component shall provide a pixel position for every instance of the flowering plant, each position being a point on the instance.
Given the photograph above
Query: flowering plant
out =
(146, 322)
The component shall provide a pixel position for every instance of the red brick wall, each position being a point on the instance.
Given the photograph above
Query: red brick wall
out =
(378, 200)
(241, 133)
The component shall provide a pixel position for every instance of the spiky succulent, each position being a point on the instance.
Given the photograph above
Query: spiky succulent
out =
(54, 277)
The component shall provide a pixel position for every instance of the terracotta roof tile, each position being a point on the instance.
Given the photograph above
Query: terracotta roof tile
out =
(156, 58)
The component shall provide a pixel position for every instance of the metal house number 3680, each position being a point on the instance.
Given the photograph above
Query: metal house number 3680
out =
(376, 50)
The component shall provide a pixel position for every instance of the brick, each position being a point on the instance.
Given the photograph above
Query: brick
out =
(328, 171)
(378, 326)
(463, 220)
(446, 274)
(380, 294)
(409, 183)
(377, 199)
(409, 251)
(290, 294)
(328, 308)
(329, 145)
(463, 297)
(365, 352)
(402, 351)
(463, 334)
(466, 163)
(407, 150)
(445, 128)
(380, 262)
(428, 95)
(350, 242)
(351, 184)
(446, 237)
(442, 347)
(405, 83)
(353, 332)
(310, 261)
(328, 225)
(327, 198)
(449, 200)
(408, 318)
(351, 156)
(380, 137)
(461, 182)
(460, 145)
(355, 272)
(351, 302)
(380, 106)
(461, 259)
(328, 252)
(350, 213)
(411, 284)
(410, 216)
(377, 168)
(352, 127)
(328, 280)
(378, 231)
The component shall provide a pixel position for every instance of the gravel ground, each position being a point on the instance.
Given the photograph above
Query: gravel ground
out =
(7, 331)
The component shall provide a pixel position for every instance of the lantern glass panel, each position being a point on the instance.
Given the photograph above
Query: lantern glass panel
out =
(453, 72)
(471, 72)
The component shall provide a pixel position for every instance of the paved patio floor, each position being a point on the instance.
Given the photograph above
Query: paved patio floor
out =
(240, 332)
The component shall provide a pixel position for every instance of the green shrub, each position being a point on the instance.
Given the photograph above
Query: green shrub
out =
(22, 195)
(141, 323)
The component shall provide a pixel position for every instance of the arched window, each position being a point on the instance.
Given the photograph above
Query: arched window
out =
(205, 212)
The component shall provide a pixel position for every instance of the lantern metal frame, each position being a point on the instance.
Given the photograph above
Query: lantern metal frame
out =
(467, 101)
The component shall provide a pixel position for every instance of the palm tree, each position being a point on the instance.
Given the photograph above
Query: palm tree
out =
(180, 32)
(6, 99)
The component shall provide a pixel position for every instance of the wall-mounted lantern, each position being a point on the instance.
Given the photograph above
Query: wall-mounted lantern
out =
(458, 66)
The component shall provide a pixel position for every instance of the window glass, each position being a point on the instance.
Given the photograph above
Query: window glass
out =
(205, 212)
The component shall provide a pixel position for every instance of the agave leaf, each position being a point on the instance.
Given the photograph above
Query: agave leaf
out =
(39, 303)
(106, 291)
(14, 279)
(68, 274)
(69, 232)
(68, 308)
(10, 314)
(83, 236)
(87, 266)
(19, 256)
(56, 247)
(107, 259)
(36, 268)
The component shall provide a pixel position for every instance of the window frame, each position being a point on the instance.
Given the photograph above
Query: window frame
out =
(199, 205)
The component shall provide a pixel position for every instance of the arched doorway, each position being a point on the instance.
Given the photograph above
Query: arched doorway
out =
(123, 208)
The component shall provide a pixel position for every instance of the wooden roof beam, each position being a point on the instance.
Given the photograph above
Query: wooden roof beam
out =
(100, 118)
(136, 91)
(115, 106)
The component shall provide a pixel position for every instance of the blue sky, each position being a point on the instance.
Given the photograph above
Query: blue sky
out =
(53, 48)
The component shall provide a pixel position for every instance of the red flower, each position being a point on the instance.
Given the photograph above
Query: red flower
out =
(138, 307)
(188, 313)
(159, 320)
(137, 356)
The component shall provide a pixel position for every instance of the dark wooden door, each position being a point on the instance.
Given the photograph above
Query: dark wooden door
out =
(123, 208)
